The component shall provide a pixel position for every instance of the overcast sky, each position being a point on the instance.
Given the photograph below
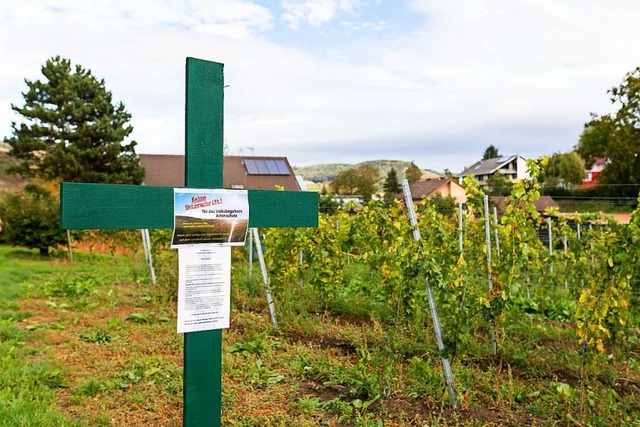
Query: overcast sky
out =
(324, 81)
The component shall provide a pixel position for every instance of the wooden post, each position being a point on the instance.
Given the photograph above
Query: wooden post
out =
(69, 246)
(107, 206)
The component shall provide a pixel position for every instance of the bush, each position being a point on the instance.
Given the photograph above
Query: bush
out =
(31, 218)
(592, 192)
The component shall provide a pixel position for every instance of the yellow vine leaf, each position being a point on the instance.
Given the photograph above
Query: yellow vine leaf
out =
(583, 296)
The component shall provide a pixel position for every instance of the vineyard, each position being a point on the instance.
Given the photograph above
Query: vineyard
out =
(503, 288)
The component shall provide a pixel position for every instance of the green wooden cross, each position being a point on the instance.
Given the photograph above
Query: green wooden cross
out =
(105, 206)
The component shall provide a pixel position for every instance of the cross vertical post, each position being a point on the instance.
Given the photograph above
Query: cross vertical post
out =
(204, 117)
(109, 206)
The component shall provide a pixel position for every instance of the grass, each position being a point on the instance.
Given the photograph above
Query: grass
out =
(92, 344)
(42, 305)
(27, 386)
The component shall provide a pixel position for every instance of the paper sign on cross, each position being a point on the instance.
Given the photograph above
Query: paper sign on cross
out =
(107, 206)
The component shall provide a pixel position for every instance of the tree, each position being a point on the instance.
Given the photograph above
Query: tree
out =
(31, 218)
(595, 137)
(391, 184)
(72, 130)
(490, 153)
(413, 173)
(567, 168)
(361, 180)
(327, 205)
(498, 185)
(616, 136)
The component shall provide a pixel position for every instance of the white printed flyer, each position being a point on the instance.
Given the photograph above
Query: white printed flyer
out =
(211, 217)
(204, 288)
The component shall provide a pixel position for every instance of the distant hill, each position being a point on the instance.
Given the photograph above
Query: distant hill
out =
(328, 171)
(8, 182)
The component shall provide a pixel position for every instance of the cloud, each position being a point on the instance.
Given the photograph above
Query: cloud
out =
(315, 12)
(353, 26)
(234, 18)
(521, 75)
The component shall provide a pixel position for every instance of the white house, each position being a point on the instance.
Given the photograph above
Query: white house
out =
(512, 167)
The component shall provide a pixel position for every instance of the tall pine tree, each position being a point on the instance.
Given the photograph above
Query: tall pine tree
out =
(391, 184)
(490, 153)
(73, 131)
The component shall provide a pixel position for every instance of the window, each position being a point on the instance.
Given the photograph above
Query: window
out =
(266, 167)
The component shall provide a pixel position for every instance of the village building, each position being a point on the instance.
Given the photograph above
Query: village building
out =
(512, 167)
(592, 175)
(441, 187)
(239, 172)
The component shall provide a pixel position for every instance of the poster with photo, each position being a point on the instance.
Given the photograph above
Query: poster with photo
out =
(212, 217)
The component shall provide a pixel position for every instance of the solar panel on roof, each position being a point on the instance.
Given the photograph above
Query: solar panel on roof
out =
(271, 166)
(266, 167)
(252, 168)
(282, 167)
(262, 167)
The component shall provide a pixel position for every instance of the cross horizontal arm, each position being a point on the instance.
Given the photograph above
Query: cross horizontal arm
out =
(119, 206)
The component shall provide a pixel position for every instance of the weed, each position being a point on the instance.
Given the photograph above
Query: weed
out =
(44, 326)
(362, 406)
(147, 300)
(69, 286)
(260, 377)
(306, 405)
(140, 318)
(338, 407)
(90, 388)
(97, 336)
(57, 306)
(150, 371)
(83, 303)
(255, 345)
(425, 377)
(113, 323)
(137, 398)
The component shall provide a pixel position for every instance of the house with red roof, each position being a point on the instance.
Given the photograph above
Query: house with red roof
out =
(442, 187)
(591, 177)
